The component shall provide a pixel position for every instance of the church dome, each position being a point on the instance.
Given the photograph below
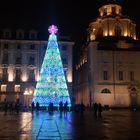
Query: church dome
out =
(111, 22)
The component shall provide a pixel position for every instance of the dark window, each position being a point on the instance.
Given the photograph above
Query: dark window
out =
(31, 60)
(105, 75)
(133, 89)
(120, 75)
(105, 11)
(100, 32)
(65, 73)
(18, 60)
(7, 35)
(32, 47)
(33, 36)
(113, 10)
(18, 73)
(20, 35)
(64, 48)
(45, 47)
(6, 46)
(18, 47)
(64, 61)
(31, 76)
(105, 91)
(5, 75)
(0, 77)
(118, 30)
(5, 58)
(131, 75)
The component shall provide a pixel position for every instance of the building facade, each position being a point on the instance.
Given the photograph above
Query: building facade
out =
(109, 64)
(21, 56)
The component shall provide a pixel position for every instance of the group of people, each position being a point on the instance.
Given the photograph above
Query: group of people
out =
(11, 106)
(79, 108)
(97, 109)
(62, 106)
(37, 106)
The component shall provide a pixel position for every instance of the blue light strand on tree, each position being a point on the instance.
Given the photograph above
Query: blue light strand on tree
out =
(51, 86)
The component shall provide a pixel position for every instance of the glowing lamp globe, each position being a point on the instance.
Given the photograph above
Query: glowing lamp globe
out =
(52, 29)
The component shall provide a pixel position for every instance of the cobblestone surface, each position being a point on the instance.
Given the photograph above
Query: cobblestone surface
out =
(114, 125)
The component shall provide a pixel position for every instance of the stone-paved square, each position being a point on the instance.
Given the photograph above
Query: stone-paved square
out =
(114, 125)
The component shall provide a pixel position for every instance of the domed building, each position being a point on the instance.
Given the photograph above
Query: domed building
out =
(108, 67)
(111, 23)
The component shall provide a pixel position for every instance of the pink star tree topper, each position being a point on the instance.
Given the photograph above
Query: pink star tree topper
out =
(53, 29)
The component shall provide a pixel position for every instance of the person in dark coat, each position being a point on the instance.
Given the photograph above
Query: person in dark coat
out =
(100, 109)
(5, 107)
(17, 106)
(95, 109)
(33, 106)
(37, 106)
(82, 108)
(65, 107)
(61, 106)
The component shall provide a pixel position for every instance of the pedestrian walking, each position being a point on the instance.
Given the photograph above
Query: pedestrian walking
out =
(61, 106)
(11, 107)
(37, 106)
(50, 108)
(5, 107)
(33, 106)
(17, 106)
(82, 108)
(95, 109)
(100, 109)
(65, 107)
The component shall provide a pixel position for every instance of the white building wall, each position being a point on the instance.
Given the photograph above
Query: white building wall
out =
(25, 85)
(102, 60)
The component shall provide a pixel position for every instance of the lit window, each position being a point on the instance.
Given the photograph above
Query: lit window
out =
(3, 88)
(17, 88)
(109, 10)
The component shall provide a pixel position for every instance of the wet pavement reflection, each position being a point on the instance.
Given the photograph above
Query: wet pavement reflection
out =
(114, 125)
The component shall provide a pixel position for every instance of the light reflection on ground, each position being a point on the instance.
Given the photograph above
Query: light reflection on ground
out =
(115, 125)
(51, 126)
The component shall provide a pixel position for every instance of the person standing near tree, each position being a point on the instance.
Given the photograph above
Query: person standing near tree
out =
(65, 107)
(37, 106)
(5, 107)
(95, 109)
(100, 109)
(33, 106)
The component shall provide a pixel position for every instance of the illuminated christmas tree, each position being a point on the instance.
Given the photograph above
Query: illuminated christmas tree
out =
(51, 86)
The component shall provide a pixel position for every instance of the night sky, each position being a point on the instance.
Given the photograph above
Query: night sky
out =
(71, 16)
